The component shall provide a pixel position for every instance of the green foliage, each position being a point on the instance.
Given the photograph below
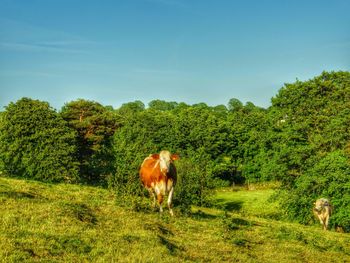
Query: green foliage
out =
(162, 105)
(151, 131)
(130, 148)
(131, 107)
(249, 139)
(302, 141)
(95, 126)
(235, 105)
(36, 143)
(199, 128)
(311, 123)
(329, 178)
(194, 182)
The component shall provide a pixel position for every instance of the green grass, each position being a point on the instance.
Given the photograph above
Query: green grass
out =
(70, 223)
(245, 202)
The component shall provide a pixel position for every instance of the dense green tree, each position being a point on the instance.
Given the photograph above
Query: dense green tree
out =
(95, 126)
(199, 127)
(249, 139)
(162, 105)
(131, 107)
(221, 111)
(36, 143)
(235, 105)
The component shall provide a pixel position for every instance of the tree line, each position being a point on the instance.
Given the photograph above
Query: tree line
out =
(301, 140)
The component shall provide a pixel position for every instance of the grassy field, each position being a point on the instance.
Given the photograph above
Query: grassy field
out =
(70, 223)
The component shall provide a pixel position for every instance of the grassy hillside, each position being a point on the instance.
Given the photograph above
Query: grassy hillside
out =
(69, 223)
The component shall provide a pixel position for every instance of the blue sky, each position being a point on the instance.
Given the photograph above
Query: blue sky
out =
(118, 51)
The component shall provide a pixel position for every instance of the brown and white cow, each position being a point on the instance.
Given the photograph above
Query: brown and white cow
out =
(322, 211)
(158, 175)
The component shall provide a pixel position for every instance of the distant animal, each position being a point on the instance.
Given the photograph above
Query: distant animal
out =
(158, 175)
(322, 211)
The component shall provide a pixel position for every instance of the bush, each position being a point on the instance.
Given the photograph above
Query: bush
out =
(195, 182)
(36, 143)
(329, 178)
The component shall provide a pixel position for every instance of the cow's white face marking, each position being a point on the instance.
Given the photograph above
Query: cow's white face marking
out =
(165, 159)
(321, 203)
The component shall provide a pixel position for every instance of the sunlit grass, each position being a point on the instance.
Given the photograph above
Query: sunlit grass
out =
(248, 202)
(70, 223)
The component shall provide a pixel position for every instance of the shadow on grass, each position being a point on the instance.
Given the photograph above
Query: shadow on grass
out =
(19, 195)
(236, 223)
(131, 238)
(228, 206)
(81, 212)
(159, 228)
(202, 215)
(56, 245)
(163, 232)
(171, 246)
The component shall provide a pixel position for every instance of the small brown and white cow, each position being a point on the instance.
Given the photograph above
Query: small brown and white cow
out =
(322, 211)
(158, 175)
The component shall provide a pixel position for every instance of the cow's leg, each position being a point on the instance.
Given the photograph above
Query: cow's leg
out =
(326, 222)
(160, 201)
(153, 196)
(159, 192)
(323, 222)
(170, 199)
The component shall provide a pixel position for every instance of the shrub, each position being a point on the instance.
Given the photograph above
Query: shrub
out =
(329, 178)
(194, 182)
(36, 143)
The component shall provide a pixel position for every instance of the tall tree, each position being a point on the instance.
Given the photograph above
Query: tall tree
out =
(95, 126)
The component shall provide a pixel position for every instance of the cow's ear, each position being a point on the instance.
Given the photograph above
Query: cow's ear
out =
(175, 157)
(155, 156)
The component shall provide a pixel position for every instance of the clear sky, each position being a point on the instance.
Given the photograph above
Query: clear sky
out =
(118, 51)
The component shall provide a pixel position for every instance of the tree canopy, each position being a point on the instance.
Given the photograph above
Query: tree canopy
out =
(95, 126)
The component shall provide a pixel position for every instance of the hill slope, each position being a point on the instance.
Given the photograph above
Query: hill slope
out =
(69, 223)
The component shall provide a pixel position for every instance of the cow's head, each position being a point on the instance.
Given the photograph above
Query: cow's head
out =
(320, 204)
(165, 159)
